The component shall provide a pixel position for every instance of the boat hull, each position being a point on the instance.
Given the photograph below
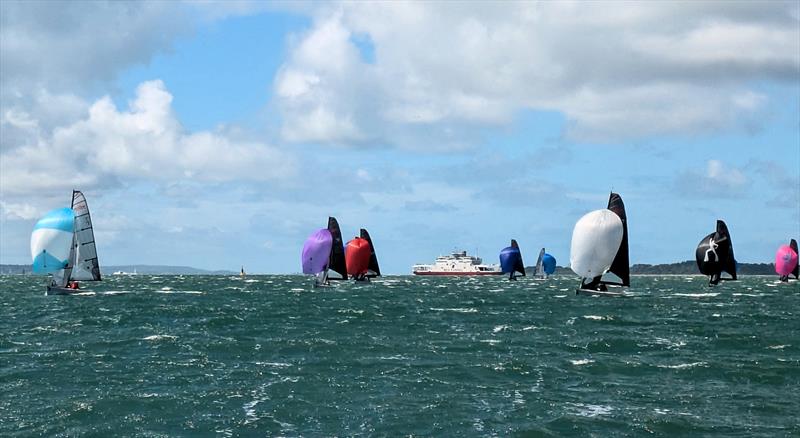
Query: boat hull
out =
(473, 274)
(61, 291)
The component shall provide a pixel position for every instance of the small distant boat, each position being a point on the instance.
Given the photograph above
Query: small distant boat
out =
(457, 263)
(62, 244)
(545, 266)
(786, 261)
(511, 261)
(242, 274)
(600, 246)
(714, 255)
(323, 252)
(360, 258)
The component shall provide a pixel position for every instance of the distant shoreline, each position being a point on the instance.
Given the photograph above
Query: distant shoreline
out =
(686, 268)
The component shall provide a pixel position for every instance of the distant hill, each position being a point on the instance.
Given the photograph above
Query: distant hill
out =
(139, 269)
(688, 267)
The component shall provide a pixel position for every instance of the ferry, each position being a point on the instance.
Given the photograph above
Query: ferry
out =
(457, 263)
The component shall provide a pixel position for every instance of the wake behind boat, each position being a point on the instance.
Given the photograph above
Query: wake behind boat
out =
(62, 244)
(600, 246)
(457, 263)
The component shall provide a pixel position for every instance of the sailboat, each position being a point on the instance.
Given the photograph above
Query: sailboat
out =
(549, 264)
(242, 274)
(323, 252)
(786, 261)
(600, 246)
(545, 265)
(360, 258)
(714, 255)
(373, 269)
(62, 244)
(511, 261)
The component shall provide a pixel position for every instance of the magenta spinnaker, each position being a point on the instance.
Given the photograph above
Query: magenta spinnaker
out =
(317, 251)
(785, 260)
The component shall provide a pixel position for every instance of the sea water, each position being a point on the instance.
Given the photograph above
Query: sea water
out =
(270, 355)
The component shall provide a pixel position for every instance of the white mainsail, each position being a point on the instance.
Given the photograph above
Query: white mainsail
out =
(85, 264)
(540, 265)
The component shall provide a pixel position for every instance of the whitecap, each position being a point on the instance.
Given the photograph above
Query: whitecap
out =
(455, 309)
(683, 365)
(588, 410)
(698, 295)
(159, 337)
(499, 328)
(582, 361)
(598, 318)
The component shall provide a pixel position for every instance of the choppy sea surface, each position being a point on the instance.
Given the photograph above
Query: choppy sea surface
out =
(270, 356)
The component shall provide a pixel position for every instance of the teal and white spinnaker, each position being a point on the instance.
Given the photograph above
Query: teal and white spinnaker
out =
(51, 241)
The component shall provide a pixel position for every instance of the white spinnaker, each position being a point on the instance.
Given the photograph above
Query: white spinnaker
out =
(86, 263)
(595, 242)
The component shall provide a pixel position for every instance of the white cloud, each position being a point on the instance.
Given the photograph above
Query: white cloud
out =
(22, 211)
(719, 180)
(616, 73)
(69, 45)
(146, 142)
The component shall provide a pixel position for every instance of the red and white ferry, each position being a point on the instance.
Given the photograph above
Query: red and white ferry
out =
(457, 263)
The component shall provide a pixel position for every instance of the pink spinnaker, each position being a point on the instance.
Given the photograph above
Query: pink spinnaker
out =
(785, 260)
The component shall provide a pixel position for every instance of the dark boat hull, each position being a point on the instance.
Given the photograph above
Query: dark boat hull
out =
(51, 290)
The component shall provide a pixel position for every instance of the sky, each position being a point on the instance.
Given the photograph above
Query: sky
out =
(220, 135)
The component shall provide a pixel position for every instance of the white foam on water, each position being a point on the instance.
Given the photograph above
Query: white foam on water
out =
(275, 364)
(188, 292)
(581, 361)
(697, 295)
(499, 328)
(682, 366)
(159, 337)
(598, 318)
(455, 309)
(591, 411)
(778, 347)
(490, 341)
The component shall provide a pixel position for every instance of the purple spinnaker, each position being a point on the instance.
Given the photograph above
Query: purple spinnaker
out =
(317, 251)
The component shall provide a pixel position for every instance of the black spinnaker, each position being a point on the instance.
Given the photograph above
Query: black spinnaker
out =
(374, 270)
(793, 245)
(714, 255)
(336, 262)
